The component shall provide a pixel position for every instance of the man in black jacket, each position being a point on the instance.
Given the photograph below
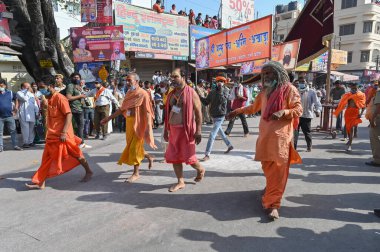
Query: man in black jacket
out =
(217, 99)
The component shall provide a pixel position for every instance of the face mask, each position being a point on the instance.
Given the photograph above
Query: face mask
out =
(132, 88)
(57, 89)
(75, 82)
(354, 91)
(163, 90)
(2, 89)
(301, 85)
(45, 92)
(270, 84)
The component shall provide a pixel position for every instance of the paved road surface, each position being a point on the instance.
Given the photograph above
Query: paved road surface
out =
(327, 206)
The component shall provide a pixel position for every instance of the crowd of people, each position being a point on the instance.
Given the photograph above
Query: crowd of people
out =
(63, 116)
(209, 21)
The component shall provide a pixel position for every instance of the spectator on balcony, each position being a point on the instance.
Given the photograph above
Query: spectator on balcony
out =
(214, 23)
(157, 7)
(199, 20)
(192, 17)
(173, 10)
(207, 22)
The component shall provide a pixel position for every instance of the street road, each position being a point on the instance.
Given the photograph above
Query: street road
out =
(328, 204)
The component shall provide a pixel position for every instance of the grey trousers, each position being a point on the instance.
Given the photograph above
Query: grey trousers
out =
(374, 135)
(27, 131)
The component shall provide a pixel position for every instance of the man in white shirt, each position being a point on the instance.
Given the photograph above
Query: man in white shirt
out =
(156, 78)
(310, 104)
(28, 111)
(103, 100)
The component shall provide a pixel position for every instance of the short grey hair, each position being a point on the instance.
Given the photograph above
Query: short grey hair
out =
(137, 77)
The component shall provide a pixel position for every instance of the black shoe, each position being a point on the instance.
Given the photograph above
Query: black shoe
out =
(308, 149)
(32, 144)
(17, 148)
(26, 146)
(97, 137)
(376, 212)
(104, 137)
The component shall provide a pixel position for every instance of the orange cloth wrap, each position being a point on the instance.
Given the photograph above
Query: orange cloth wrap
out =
(139, 100)
(58, 157)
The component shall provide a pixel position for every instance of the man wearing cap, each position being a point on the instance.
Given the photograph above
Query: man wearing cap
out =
(103, 99)
(354, 101)
(217, 99)
(336, 94)
(60, 86)
(183, 127)
(238, 97)
(201, 91)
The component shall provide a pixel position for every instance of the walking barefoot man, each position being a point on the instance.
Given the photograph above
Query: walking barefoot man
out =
(279, 104)
(354, 101)
(183, 127)
(62, 152)
(138, 111)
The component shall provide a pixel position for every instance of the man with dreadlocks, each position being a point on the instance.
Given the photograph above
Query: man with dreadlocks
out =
(279, 103)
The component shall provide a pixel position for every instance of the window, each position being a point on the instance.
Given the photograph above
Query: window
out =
(347, 29)
(377, 28)
(349, 57)
(367, 26)
(375, 55)
(348, 3)
(364, 56)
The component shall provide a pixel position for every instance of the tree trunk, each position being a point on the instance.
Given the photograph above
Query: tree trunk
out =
(36, 26)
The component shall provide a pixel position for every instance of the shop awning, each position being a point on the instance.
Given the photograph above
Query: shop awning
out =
(343, 76)
(212, 68)
(8, 51)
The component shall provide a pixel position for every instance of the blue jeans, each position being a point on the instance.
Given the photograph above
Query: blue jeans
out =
(88, 121)
(217, 128)
(11, 124)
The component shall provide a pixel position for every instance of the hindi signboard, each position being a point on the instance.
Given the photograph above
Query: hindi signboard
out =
(97, 43)
(197, 32)
(88, 11)
(248, 42)
(237, 12)
(151, 32)
(104, 11)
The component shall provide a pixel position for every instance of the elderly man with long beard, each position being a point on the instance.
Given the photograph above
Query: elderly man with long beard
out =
(279, 104)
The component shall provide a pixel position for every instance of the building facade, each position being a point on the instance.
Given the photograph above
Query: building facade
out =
(357, 31)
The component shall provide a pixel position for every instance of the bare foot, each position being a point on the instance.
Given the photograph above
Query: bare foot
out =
(86, 177)
(205, 158)
(177, 187)
(150, 160)
(35, 186)
(200, 175)
(273, 214)
(132, 178)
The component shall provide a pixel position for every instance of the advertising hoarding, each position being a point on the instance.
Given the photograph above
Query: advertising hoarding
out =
(197, 32)
(104, 11)
(237, 12)
(88, 10)
(151, 32)
(97, 43)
